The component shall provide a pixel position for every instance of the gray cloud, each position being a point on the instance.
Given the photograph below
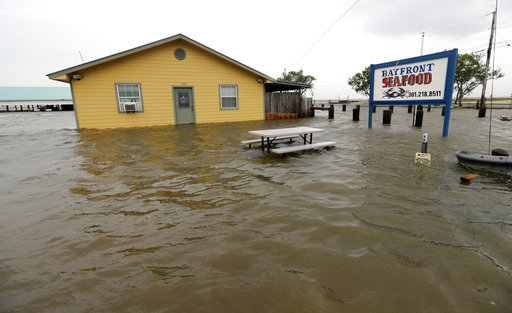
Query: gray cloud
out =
(450, 18)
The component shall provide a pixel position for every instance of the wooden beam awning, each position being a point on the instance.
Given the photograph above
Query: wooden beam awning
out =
(285, 86)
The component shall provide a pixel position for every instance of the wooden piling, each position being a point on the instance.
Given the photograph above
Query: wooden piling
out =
(419, 118)
(355, 114)
(386, 117)
(481, 111)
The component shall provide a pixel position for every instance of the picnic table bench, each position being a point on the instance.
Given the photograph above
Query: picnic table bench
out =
(258, 141)
(310, 146)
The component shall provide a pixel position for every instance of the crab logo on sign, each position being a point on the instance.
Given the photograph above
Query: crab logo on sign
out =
(394, 93)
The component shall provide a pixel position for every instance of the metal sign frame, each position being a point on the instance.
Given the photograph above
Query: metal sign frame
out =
(448, 88)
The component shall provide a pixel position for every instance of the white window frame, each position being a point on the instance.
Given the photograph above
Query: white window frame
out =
(122, 100)
(222, 107)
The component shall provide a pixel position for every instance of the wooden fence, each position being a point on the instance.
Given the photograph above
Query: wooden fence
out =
(286, 105)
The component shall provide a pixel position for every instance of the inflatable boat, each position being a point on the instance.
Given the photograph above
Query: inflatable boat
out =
(501, 164)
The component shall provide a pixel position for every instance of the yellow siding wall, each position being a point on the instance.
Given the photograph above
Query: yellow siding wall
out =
(157, 70)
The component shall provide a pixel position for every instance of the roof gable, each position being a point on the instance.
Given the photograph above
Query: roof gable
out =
(116, 56)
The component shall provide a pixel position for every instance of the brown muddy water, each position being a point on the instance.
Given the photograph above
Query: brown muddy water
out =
(184, 219)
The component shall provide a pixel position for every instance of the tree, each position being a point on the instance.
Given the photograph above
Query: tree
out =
(297, 77)
(360, 82)
(469, 74)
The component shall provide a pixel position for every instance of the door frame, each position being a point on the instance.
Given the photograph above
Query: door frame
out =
(175, 103)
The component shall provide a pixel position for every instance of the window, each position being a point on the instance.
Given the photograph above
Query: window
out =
(229, 97)
(129, 98)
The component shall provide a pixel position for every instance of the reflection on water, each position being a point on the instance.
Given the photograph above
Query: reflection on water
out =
(184, 219)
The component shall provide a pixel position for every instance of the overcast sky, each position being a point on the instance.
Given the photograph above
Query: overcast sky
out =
(43, 36)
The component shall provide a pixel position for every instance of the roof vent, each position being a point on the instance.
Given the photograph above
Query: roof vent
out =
(180, 54)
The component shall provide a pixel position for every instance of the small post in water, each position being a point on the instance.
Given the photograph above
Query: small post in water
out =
(419, 118)
(355, 114)
(386, 117)
(423, 158)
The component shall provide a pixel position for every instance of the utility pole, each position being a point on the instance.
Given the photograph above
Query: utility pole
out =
(422, 38)
(421, 53)
(481, 113)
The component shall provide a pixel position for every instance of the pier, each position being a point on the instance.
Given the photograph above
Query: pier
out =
(34, 99)
(4, 108)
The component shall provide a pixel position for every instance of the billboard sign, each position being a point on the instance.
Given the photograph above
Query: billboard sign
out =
(415, 81)
(424, 80)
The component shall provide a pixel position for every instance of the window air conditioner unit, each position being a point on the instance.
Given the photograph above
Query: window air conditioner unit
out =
(129, 108)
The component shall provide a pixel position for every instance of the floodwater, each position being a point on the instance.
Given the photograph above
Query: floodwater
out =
(185, 219)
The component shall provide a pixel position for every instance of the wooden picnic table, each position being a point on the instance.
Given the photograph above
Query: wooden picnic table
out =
(306, 133)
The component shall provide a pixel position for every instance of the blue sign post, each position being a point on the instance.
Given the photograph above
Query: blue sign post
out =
(421, 80)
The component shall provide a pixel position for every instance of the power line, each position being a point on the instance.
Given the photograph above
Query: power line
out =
(325, 33)
(505, 44)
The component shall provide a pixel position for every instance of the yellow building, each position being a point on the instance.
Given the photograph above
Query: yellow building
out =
(175, 80)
